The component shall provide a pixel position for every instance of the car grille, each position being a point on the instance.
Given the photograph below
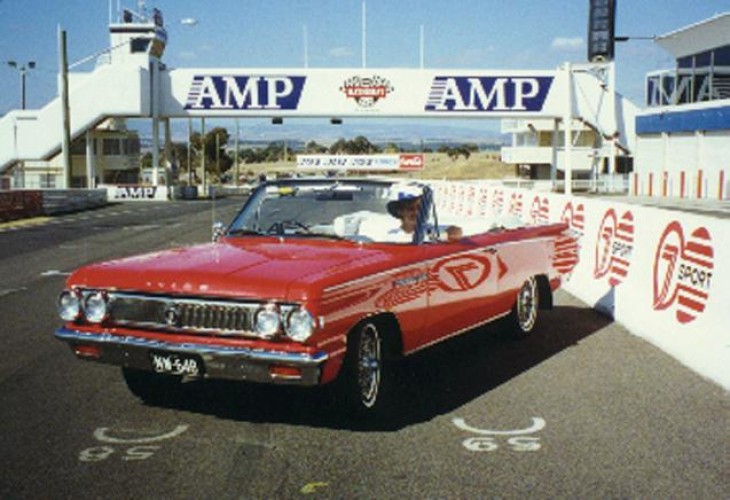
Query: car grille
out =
(182, 314)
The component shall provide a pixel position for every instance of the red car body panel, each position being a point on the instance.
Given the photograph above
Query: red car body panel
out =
(433, 291)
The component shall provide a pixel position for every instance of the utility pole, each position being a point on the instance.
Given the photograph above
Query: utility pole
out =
(65, 110)
(568, 130)
(364, 34)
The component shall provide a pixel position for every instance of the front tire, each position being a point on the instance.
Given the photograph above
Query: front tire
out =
(523, 317)
(366, 374)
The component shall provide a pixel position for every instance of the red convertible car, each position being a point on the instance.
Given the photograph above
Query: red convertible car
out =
(315, 281)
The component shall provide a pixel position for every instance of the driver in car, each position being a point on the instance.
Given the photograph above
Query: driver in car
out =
(406, 208)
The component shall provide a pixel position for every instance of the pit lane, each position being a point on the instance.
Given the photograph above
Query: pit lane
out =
(581, 409)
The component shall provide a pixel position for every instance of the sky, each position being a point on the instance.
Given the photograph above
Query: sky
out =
(458, 34)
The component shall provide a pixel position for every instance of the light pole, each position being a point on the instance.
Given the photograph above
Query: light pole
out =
(23, 69)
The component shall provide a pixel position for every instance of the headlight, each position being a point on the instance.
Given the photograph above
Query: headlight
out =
(267, 322)
(299, 325)
(69, 305)
(95, 307)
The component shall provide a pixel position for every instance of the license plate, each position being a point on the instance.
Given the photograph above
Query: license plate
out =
(176, 364)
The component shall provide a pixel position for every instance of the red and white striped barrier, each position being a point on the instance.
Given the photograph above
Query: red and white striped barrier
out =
(695, 184)
(663, 274)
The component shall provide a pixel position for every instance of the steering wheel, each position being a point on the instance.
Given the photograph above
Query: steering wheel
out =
(280, 227)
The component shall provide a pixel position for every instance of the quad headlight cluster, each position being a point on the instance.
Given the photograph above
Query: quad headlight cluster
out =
(93, 306)
(295, 322)
(268, 321)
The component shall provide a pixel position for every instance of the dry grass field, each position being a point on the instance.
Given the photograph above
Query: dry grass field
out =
(482, 165)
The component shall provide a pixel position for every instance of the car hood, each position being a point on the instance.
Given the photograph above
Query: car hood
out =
(238, 267)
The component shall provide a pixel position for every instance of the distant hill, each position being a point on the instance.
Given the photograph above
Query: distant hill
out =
(407, 134)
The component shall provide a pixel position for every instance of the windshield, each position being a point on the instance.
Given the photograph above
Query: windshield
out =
(355, 210)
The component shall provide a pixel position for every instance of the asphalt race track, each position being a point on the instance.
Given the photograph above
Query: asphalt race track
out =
(582, 409)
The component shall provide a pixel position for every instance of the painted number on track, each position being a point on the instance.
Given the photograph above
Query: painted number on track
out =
(519, 440)
(129, 445)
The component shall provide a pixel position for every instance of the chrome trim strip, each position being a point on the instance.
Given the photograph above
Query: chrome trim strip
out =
(214, 316)
(259, 356)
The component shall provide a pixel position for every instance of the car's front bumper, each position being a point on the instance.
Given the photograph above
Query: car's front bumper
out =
(220, 362)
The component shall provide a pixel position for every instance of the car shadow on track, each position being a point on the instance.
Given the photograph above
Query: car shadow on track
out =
(433, 382)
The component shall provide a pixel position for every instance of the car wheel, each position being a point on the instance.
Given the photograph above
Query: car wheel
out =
(152, 387)
(524, 313)
(366, 373)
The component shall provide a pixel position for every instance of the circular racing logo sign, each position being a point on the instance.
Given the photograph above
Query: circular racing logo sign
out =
(683, 272)
(515, 204)
(366, 91)
(540, 211)
(575, 217)
(614, 247)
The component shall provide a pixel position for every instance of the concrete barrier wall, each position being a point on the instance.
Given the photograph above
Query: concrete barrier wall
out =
(663, 274)
(24, 203)
(20, 205)
(58, 201)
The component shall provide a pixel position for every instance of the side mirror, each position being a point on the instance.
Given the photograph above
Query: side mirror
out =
(219, 229)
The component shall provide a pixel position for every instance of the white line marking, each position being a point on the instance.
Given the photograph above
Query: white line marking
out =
(55, 272)
(537, 425)
(101, 435)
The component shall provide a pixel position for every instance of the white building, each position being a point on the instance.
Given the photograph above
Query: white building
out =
(113, 157)
(537, 148)
(683, 136)
(101, 148)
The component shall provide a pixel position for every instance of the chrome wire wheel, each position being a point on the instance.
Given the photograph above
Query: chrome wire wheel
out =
(526, 306)
(368, 365)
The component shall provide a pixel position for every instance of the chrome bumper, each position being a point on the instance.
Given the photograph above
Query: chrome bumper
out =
(230, 363)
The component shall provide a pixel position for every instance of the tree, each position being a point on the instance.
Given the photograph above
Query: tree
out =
(360, 145)
(455, 152)
(312, 148)
(146, 160)
(338, 147)
(464, 150)
(179, 155)
(213, 146)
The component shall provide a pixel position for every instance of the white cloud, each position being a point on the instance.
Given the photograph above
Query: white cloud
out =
(567, 44)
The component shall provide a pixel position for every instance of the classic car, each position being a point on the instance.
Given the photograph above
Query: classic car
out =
(307, 287)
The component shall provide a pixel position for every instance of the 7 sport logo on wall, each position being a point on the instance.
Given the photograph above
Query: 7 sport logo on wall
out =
(683, 269)
(614, 247)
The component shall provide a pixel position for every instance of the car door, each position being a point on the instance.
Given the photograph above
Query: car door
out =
(463, 280)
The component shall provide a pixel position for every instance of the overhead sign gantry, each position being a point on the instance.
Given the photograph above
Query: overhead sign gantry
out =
(131, 81)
